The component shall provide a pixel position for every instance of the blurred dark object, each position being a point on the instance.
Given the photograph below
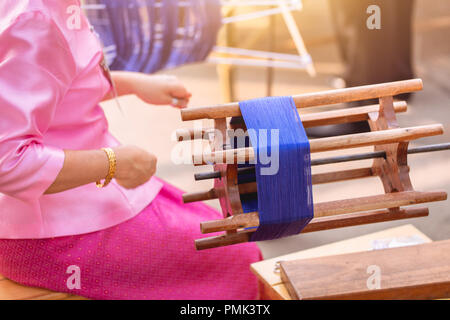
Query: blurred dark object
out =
(378, 55)
(342, 129)
(337, 129)
(371, 55)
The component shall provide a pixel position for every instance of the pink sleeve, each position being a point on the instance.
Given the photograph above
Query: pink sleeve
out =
(36, 70)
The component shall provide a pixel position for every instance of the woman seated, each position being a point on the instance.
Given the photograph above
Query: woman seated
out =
(72, 197)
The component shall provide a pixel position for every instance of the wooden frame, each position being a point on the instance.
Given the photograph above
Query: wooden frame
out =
(385, 136)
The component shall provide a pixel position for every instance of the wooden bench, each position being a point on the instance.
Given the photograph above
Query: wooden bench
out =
(10, 290)
(270, 278)
(420, 271)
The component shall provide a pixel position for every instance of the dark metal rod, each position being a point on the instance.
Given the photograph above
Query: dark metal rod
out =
(207, 175)
(339, 159)
(347, 158)
(430, 148)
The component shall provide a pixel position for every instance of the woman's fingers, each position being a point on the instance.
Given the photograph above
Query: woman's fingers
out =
(179, 103)
(161, 90)
(179, 94)
(135, 166)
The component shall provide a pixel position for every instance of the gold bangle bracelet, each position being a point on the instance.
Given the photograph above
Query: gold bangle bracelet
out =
(112, 168)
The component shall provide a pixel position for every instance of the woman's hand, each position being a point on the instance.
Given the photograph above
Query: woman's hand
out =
(153, 89)
(163, 90)
(135, 166)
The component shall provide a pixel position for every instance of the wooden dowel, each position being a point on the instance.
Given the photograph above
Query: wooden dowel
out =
(200, 196)
(193, 134)
(237, 221)
(313, 99)
(360, 218)
(242, 155)
(375, 138)
(344, 175)
(318, 224)
(388, 200)
(319, 178)
(223, 240)
(332, 208)
(347, 115)
(338, 159)
(309, 119)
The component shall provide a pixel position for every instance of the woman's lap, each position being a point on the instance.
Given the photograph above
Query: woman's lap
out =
(151, 256)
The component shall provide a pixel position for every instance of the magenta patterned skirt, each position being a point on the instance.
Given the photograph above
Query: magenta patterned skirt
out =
(151, 256)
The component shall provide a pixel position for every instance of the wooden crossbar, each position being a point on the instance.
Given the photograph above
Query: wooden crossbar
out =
(241, 155)
(308, 120)
(320, 178)
(332, 208)
(313, 99)
(319, 224)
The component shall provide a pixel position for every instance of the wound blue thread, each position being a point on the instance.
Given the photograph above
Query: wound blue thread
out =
(284, 200)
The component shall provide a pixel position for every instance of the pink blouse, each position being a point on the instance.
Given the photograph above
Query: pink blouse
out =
(50, 87)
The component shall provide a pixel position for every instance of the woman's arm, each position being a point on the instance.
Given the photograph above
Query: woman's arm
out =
(134, 167)
(29, 167)
(152, 89)
(80, 168)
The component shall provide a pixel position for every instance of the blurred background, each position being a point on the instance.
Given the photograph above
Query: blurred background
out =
(153, 128)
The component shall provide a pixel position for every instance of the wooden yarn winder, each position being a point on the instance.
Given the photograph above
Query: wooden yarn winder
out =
(390, 162)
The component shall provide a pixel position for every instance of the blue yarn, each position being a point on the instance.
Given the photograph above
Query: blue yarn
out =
(284, 199)
(148, 43)
(197, 38)
(169, 23)
(127, 29)
(185, 50)
(180, 44)
(204, 16)
(210, 22)
(140, 47)
(151, 16)
(119, 32)
(100, 19)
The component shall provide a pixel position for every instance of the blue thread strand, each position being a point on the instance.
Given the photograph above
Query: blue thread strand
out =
(284, 200)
